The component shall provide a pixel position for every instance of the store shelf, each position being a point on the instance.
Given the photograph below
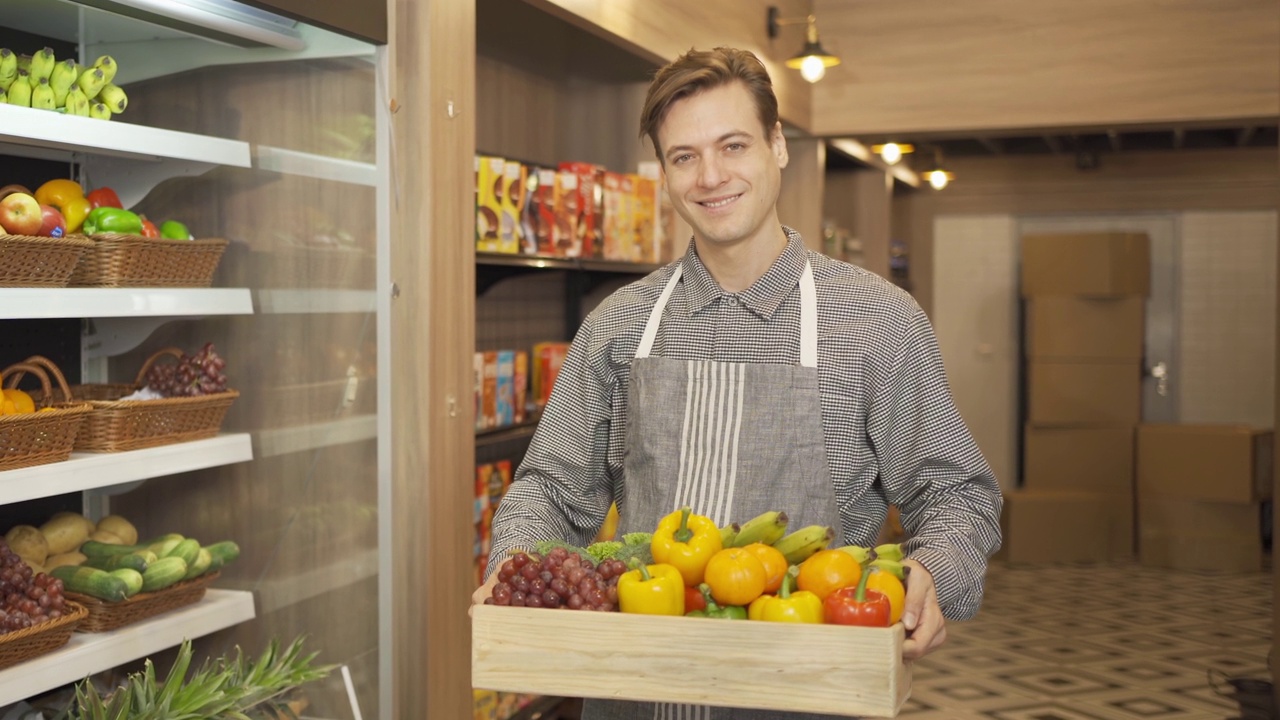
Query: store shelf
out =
(506, 434)
(282, 441)
(536, 262)
(315, 302)
(292, 162)
(26, 303)
(28, 132)
(279, 592)
(89, 653)
(89, 471)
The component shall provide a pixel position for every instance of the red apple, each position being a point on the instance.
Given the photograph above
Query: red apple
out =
(52, 223)
(20, 214)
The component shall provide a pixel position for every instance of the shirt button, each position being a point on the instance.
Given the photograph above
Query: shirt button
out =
(733, 300)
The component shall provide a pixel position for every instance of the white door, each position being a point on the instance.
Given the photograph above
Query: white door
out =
(1160, 387)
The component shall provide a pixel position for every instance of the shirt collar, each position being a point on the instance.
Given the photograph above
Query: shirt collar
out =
(764, 296)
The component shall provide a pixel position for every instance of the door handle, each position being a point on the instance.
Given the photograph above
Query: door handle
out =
(1160, 371)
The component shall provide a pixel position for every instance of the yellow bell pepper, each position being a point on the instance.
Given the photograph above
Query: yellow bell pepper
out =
(800, 606)
(651, 590)
(686, 541)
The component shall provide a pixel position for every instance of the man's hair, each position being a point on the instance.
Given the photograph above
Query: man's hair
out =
(699, 70)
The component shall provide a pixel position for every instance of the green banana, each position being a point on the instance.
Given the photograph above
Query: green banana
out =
(108, 66)
(20, 90)
(797, 546)
(63, 77)
(894, 567)
(8, 68)
(42, 96)
(728, 533)
(41, 66)
(98, 111)
(889, 551)
(114, 98)
(859, 553)
(766, 528)
(77, 102)
(91, 82)
(24, 62)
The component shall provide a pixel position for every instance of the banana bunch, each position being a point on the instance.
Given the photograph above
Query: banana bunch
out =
(887, 557)
(771, 528)
(43, 82)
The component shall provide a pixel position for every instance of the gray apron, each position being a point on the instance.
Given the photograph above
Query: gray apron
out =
(730, 440)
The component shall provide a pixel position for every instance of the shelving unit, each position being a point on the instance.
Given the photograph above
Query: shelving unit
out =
(28, 303)
(292, 162)
(269, 443)
(97, 471)
(89, 653)
(315, 302)
(282, 592)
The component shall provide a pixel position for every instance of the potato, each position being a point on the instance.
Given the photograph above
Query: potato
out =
(109, 538)
(88, 524)
(29, 543)
(71, 558)
(64, 533)
(119, 527)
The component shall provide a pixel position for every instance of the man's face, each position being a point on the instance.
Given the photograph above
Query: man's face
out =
(723, 173)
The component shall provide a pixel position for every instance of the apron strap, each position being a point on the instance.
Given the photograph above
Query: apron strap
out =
(808, 317)
(655, 317)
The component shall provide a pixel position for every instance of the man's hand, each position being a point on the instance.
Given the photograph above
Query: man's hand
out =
(484, 591)
(921, 616)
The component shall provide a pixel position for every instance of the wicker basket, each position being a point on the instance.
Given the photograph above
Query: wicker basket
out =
(39, 261)
(135, 261)
(40, 437)
(115, 425)
(103, 616)
(37, 640)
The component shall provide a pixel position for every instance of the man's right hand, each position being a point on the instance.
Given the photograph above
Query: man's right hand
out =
(483, 592)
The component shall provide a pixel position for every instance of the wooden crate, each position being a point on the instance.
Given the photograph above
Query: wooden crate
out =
(830, 669)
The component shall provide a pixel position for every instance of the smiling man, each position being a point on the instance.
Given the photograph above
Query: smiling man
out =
(752, 375)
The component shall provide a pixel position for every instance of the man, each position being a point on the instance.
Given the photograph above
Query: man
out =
(755, 375)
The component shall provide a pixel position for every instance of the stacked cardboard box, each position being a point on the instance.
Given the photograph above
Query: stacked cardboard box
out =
(1083, 338)
(1201, 493)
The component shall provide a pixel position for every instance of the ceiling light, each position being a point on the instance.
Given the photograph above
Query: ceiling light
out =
(938, 179)
(813, 60)
(892, 152)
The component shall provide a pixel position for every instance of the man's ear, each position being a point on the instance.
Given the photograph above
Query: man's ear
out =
(778, 142)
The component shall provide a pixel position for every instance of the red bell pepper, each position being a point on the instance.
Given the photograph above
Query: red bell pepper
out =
(104, 197)
(857, 606)
(149, 229)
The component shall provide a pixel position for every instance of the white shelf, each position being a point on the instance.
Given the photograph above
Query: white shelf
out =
(316, 302)
(24, 303)
(280, 592)
(269, 443)
(89, 653)
(292, 162)
(89, 471)
(42, 131)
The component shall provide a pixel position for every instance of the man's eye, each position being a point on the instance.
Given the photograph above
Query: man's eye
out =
(681, 159)
(734, 147)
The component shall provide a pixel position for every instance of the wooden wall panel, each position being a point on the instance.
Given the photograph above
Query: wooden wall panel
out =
(800, 201)
(1237, 179)
(432, 58)
(664, 29)
(933, 66)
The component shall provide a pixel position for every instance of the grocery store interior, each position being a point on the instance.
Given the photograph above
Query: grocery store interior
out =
(299, 275)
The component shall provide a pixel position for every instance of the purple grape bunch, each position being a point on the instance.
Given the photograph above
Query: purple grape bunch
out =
(191, 376)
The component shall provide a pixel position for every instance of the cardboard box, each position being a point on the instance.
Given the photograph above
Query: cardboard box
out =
(489, 194)
(1084, 393)
(1091, 459)
(1080, 328)
(1060, 526)
(1224, 463)
(1093, 264)
(1183, 534)
(756, 665)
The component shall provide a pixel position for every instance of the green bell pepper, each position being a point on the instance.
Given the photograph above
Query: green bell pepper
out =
(174, 230)
(715, 610)
(112, 220)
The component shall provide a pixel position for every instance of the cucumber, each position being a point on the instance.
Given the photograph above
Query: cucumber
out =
(223, 552)
(162, 538)
(187, 550)
(132, 580)
(94, 549)
(163, 573)
(201, 565)
(92, 582)
(136, 561)
(164, 548)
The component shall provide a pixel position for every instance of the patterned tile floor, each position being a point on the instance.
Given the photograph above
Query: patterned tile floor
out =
(1114, 642)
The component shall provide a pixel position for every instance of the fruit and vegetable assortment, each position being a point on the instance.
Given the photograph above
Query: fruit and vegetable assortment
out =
(757, 570)
(105, 560)
(44, 82)
(61, 207)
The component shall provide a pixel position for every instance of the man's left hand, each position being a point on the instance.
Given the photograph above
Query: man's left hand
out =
(921, 616)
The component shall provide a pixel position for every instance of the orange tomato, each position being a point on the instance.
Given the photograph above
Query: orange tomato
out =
(735, 576)
(892, 588)
(827, 571)
(775, 564)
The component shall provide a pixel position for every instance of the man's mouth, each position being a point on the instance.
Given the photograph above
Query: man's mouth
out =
(719, 202)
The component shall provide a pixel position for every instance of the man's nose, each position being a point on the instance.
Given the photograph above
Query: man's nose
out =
(711, 172)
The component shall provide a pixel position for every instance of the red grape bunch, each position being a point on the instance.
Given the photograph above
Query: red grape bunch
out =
(26, 600)
(192, 376)
(560, 580)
